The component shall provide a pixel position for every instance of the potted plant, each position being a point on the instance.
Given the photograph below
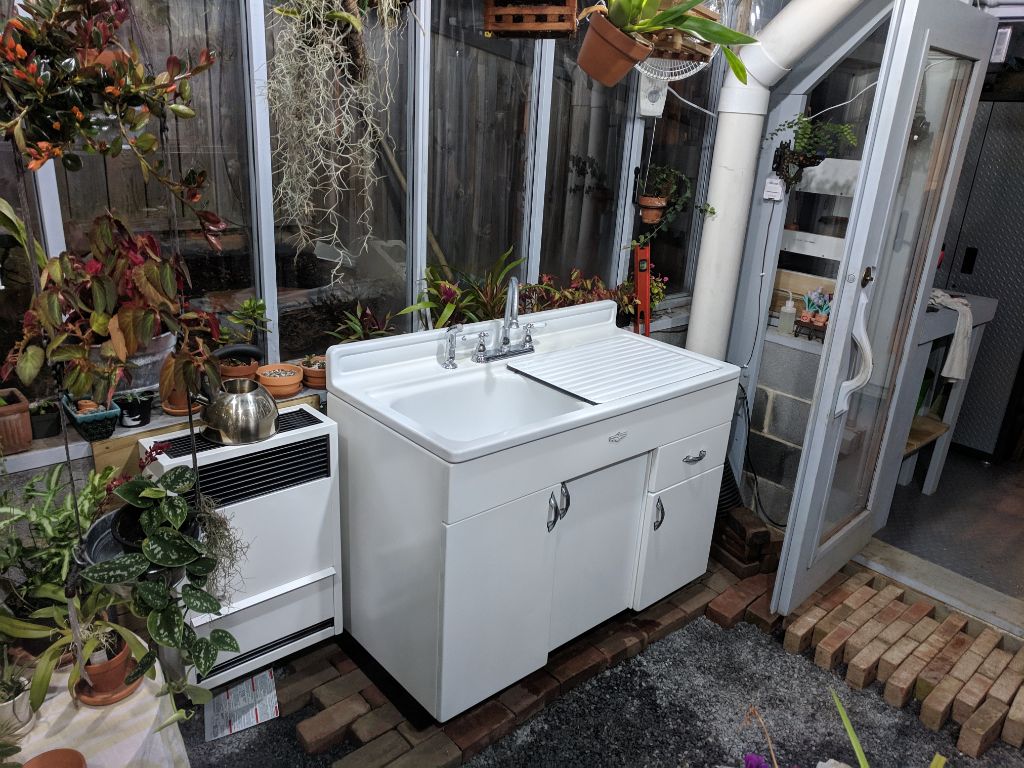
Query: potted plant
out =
(39, 534)
(45, 418)
(92, 420)
(242, 326)
(314, 371)
(136, 408)
(9, 738)
(363, 324)
(813, 141)
(615, 40)
(530, 18)
(153, 576)
(280, 379)
(660, 188)
(15, 422)
(15, 710)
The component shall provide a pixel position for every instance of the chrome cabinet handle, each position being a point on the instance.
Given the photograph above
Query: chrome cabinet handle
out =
(660, 514)
(696, 459)
(553, 510)
(566, 501)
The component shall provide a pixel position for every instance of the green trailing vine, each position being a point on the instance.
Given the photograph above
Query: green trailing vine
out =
(663, 181)
(813, 141)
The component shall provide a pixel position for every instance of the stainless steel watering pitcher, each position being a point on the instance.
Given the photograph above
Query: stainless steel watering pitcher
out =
(240, 411)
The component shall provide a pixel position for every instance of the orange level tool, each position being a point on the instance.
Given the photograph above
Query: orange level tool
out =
(642, 282)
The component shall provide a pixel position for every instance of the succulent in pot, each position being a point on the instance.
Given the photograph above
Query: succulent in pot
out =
(280, 379)
(45, 418)
(314, 371)
(615, 41)
(136, 408)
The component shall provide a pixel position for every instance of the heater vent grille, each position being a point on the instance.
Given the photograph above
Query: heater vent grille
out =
(263, 472)
(286, 422)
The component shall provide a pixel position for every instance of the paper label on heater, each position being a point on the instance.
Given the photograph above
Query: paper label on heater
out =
(250, 702)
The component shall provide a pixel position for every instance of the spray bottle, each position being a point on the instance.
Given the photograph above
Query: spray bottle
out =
(787, 317)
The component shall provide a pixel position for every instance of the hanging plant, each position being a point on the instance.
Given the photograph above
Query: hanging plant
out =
(664, 195)
(813, 141)
(329, 94)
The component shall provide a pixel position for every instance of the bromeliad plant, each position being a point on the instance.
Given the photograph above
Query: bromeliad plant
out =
(183, 557)
(93, 311)
(363, 324)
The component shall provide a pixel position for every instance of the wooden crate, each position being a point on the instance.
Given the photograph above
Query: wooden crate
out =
(672, 44)
(508, 19)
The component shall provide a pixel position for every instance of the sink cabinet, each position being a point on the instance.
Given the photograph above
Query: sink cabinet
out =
(454, 582)
(488, 519)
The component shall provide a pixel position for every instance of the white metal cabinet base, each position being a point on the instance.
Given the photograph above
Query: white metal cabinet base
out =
(595, 563)
(676, 538)
(496, 599)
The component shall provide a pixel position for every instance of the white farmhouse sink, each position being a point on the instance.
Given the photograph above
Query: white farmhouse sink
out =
(480, 404)
(482, 408)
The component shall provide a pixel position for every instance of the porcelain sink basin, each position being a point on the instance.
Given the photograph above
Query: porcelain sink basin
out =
(478, 409)
(481, 404)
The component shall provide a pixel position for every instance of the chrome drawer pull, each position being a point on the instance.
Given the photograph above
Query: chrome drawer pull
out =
(696, 459)
(660, 518)
(566, 501)
(553, 511)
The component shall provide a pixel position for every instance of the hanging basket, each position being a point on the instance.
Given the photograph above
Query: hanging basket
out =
(679, 46)
(505, 18)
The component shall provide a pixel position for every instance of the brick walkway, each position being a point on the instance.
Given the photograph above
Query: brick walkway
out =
(353, 708)
(956, 668)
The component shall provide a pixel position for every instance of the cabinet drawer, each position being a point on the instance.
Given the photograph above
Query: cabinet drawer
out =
(676, 537)
(689, 457)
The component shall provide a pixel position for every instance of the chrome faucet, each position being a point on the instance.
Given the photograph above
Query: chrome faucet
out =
(511, 316)
(503, 346)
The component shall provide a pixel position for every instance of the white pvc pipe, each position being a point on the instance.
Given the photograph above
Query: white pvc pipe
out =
(741, 111)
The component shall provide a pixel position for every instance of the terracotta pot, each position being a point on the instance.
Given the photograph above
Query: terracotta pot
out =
(807, 316)
(608, 53)
(652, 209)
(15, 423)
(820, 320)
(280, 386)
(247, 371)
(108, 676)
(27, 653)
(57, 758)
(315, 378)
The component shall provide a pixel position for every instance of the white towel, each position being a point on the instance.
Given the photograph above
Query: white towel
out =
(960, 347)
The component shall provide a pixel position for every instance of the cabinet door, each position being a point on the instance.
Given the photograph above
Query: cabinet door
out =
(676, 538)
(595, 564)
(496, 603)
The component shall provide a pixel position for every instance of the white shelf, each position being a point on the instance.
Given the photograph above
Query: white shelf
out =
(809, 244)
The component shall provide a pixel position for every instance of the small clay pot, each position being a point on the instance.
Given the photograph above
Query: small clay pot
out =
(652, 208)
(820, 320)
(608, 53)
(280, 385)
(315, 378)
(108, 676)
(247, 371)
(57, 758)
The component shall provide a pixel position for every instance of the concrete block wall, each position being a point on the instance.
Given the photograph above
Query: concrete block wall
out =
(778, 422)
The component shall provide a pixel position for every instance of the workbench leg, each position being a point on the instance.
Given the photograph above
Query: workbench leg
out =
(949, 416)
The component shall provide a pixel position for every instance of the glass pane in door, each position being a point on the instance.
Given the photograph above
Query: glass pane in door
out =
(897, 273)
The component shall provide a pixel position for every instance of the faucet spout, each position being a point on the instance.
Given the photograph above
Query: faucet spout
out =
(511, 314)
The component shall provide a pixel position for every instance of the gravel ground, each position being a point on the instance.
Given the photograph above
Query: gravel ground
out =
(682, 703)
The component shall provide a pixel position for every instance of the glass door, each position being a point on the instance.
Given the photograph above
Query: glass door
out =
(929, 85)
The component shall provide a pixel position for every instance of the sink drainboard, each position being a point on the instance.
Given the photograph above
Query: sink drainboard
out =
(611, 369)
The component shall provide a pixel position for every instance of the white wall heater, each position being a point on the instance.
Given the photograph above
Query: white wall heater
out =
(282, 495)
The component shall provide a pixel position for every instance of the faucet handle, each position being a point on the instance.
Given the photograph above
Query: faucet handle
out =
(528, 336)
(480, 353)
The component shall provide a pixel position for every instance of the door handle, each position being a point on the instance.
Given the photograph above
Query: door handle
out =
(553, 512)
(566, 501)
(863, 342)
(659, 516)
(696, 459)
